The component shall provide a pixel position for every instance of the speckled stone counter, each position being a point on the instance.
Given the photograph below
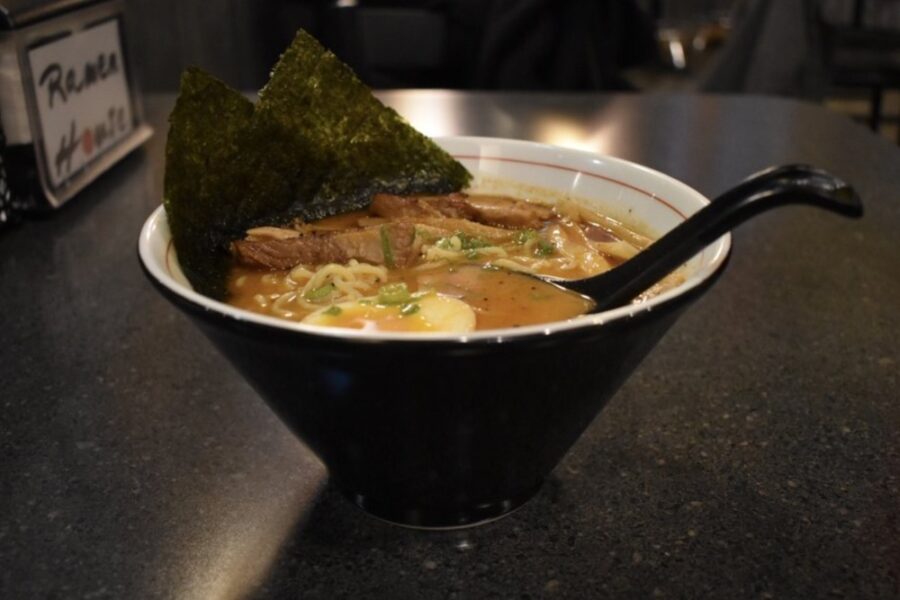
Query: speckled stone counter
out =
(754, 454)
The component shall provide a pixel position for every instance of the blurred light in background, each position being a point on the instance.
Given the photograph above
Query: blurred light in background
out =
(569, 133)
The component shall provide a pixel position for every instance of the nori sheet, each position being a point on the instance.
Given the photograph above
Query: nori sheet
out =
(317, 143)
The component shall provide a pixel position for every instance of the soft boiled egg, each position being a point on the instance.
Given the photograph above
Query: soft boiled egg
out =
(432, 312)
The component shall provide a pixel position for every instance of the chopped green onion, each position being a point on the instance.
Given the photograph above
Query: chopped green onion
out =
(425, 236)
(444, 244)
(393, 293)
(386, 249)
(472, 254)
(409, 309)
(333, 310)
(526, 235)
(320, 293)
(466, 242)
(471, 243)
(544, 248)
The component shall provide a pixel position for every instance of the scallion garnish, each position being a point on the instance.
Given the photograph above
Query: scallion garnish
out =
(386, 249)
(393, 293)
(468, 242)
(320, 293)
(544, 248)
(526, 235)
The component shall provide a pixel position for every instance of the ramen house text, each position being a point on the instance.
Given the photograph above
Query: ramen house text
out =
(91, 139)
(62, 82)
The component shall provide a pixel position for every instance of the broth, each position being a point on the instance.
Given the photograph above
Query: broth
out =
(497, 297)
(409, 270)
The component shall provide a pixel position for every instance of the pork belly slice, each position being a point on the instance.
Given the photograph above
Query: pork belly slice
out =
(322, 247)
(389, 206)
(509, 212)
(496, 211)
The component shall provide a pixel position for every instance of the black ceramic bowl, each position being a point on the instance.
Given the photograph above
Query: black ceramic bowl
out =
(445, 430)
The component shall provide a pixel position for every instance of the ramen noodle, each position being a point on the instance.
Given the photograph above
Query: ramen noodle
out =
(430, 263)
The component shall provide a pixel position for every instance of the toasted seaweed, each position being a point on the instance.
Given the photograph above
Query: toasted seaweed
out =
(205, 131)
(317, 143)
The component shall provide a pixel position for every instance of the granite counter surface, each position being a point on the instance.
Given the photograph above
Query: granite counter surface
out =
(754, 454)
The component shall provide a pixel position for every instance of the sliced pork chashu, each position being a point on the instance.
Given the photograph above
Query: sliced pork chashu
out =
(496, 211)
(392, 244)
(408, 222)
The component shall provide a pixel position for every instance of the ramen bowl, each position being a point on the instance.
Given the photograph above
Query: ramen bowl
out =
(449, 430)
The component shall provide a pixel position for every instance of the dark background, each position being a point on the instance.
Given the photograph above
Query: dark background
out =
(462, 44)
(439, 40)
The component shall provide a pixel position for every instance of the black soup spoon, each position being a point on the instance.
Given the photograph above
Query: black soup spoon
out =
(770, 188)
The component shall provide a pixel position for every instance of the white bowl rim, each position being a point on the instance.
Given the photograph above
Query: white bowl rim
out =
(719, 253)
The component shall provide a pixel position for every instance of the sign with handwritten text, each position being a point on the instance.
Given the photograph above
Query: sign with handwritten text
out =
(82, 96)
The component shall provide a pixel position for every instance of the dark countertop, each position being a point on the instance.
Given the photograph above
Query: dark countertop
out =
(754, 454)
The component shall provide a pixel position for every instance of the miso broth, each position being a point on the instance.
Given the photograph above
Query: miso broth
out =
(429, 263)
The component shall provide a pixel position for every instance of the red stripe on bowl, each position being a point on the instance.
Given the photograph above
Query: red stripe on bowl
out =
(574, 170)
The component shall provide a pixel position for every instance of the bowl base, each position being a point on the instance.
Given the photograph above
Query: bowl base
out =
(440, 519)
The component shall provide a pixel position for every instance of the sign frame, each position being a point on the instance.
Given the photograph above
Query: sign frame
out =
(54, 29)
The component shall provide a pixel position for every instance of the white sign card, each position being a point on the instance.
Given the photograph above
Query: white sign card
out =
(84, 104)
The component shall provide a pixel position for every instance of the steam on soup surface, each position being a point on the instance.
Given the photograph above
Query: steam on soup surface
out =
(428, 263)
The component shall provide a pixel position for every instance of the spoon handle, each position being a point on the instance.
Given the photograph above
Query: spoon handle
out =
(771, 188)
